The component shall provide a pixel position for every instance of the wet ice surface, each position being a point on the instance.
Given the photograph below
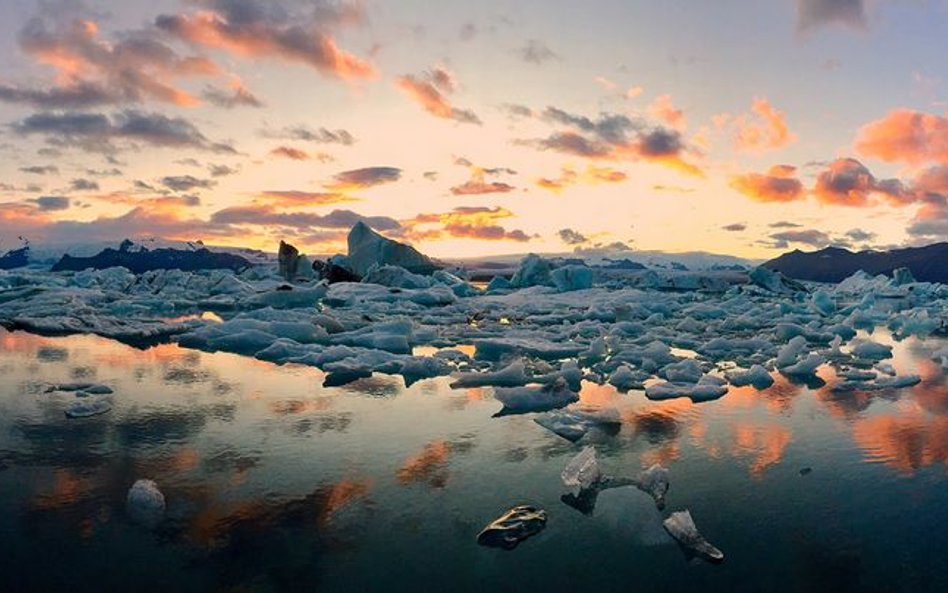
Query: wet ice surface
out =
(272, 482)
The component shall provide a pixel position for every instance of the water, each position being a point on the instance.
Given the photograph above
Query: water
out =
(274, 483)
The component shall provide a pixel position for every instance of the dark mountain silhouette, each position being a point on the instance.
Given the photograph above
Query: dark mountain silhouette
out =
(833, 264)
(144, 260)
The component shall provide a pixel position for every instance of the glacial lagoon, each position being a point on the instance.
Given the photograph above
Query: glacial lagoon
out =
(276, 483)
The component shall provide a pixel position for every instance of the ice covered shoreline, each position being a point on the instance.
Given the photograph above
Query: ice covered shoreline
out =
(534, 337)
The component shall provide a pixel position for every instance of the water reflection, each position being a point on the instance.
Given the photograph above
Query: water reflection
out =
(273, 480)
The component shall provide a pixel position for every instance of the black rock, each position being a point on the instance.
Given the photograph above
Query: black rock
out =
(833, 264)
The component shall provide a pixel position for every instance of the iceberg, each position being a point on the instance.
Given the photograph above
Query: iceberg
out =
(368, 248)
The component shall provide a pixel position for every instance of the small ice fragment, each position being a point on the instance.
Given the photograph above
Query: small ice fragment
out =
(654, 481)
(583, 470)
(88, 388)
(682, 527)
(145, 504)
(513, 527)
(535, 399)
(87, 406)
(757, 376)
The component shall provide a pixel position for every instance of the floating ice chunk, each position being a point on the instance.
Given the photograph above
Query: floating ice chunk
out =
(513, 527)
(458, 285)
(497, 348)
(879, 384)
(498, 283)
(685, 371)
(702, 391)
(145, 504)
(87, 406)
(757, 376)
(823, 303)
(804, 366)
(625, 379)
(535, 398)
(533, 271)
(774, 281)
(288, 297)
(857, 375)
(682, 527)
(871, 350)
(790, 352)
(886, 368)
(570, 278)
(582, 472)
(902, 276)
(573, 424)
(941, 357)
(512, 375)
(87, 388)
(654, 482)
(396, 277)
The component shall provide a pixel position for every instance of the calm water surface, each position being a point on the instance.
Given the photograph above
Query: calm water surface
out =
(274, 483)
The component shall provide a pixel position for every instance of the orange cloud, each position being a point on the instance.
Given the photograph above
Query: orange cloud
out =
(592, 175)
(779, 184)
(905, 136)
(663, 109)
(430, 90)
(260, 36)
(290, 153)
(465, 222)
(762, 130)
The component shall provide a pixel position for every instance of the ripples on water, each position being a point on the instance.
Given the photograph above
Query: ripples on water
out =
(274, 483)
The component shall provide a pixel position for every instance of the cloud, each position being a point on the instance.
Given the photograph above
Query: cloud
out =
(254, 28)
(930, 222)
(40, 169)
(365, 177)
(91, 71)
(289, 152)
(301, 198)
(238, 96)
(905, 136)
(811, 237)
(98, 132)
(515, 110)
(304, 133)
(430, 90)
(266, 215)
(591, 176)
(860, 235)
(83, 185)
(783, 224)
(762, 130)
(571, 237)
(779, 184)
(615, 137)
(186, 183)
(113, 172)
(221, 170)
(847, 182)
(465, 222)
(536, 52)
(477, 186)
(815, 13)
(51, 203)
(663, 109)
(735, 227)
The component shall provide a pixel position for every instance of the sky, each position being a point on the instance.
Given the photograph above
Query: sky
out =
(468, 129)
